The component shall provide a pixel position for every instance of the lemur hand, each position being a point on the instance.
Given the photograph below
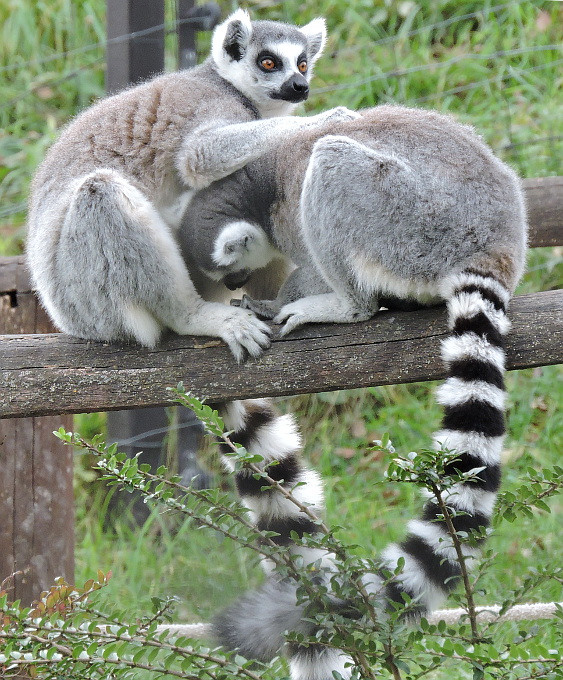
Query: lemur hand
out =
(266, 309)
(336, 115)
(240, 329)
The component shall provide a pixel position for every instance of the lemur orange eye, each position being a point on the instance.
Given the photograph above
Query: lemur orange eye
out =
(302, 66)
(268, 64)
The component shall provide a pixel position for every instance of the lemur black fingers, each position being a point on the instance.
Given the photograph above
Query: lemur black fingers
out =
(266, 309)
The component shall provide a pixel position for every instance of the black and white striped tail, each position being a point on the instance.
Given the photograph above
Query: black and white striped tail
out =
(473, 426)
(256, 623)
(276, 438)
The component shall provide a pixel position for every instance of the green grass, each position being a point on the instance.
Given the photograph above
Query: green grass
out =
(498, 71)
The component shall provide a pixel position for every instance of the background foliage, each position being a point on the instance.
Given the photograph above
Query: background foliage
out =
(496, 66)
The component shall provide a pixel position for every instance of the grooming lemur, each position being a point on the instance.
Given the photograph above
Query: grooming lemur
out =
(109, 195)
(404, 203)
(108, 198)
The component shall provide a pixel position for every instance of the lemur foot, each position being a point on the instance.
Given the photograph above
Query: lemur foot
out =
(244, 332)
(266, 309)
(326, 308)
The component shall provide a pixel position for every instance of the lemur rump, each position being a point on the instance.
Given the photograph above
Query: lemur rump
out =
(390, 204)
(107, 199)
(400, 203)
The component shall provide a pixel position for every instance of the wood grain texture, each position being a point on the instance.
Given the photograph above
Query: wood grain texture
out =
(36, 505)
(48, 374)
(544, 199)
(36, 484)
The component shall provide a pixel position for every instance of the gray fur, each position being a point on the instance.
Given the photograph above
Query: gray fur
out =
(390, 204)
(405, 203)
(255, 624)
(107, 199)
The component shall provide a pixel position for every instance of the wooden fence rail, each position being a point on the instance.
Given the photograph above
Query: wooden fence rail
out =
(42, 372)
(55, 373)
(47, 374)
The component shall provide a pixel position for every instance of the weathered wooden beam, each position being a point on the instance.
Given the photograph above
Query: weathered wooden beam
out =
(544, 198)
(36, 482)
(50, 374)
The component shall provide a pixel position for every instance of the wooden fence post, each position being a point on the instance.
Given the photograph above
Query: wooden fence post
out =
(187, 53)
(36, 494)
(133, 59)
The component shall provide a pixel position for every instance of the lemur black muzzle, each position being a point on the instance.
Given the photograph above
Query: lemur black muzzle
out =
(295, 89)
(237, 279)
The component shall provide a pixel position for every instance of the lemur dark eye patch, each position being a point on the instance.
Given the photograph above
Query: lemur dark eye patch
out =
(268, 62)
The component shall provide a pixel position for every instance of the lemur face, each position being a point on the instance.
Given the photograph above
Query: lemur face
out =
(239, 249)
(282, 69)
(270, 62)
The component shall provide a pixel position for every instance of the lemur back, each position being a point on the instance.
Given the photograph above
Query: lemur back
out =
(402, 203)
(387, 204)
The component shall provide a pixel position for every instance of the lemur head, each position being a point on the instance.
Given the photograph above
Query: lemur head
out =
(269, 62)
(239, 249)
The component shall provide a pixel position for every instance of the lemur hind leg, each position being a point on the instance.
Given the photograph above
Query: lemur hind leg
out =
(336, 215)
(143, 287)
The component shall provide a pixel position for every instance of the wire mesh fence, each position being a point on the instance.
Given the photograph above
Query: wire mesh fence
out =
(409, 65)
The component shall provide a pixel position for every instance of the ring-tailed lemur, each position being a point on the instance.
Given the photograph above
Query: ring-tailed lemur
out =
(109, 195)
(108, 198)
(404, 203)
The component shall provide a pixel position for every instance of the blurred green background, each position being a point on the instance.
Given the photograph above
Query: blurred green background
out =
(495, 66)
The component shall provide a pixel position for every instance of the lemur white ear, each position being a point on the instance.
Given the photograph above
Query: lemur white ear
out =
(231, 38)
(233, 241)
(315, 32)
(238, 245)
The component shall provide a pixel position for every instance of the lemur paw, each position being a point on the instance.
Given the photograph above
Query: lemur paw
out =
(292, 316)
(266, 309)
(324, 308)
(245, 333)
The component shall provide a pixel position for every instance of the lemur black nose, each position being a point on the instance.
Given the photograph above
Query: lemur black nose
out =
(301, 87)
(295, 89)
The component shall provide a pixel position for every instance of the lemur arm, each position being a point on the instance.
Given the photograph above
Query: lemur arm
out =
(211, 152)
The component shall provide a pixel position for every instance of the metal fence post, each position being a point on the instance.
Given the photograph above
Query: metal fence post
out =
(187, 53)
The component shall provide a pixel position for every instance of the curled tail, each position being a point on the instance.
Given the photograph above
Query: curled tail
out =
(473, 426)
(261, 430)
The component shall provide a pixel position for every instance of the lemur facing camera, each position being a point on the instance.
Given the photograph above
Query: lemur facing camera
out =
(108, 197)
(403, 203)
